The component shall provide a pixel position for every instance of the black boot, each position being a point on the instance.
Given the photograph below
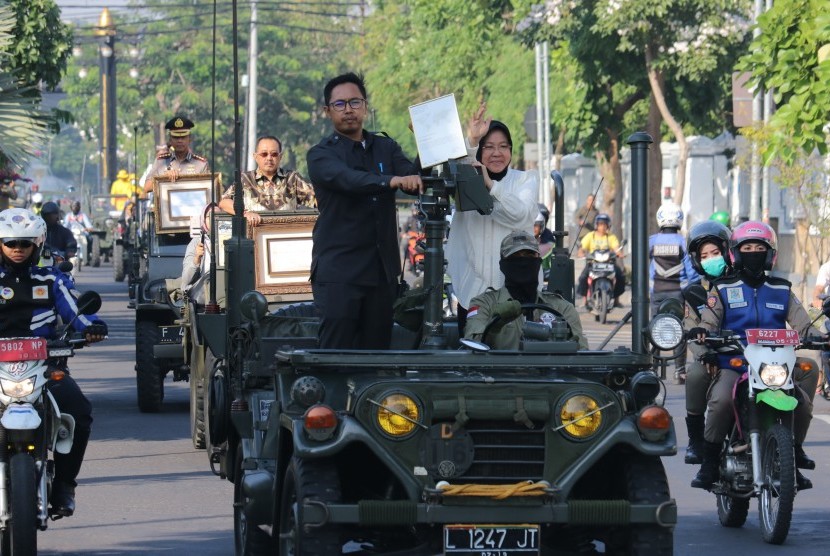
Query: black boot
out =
(694, 451)
(62, 500)
(802, 460)
(802, 482)
(710, 469)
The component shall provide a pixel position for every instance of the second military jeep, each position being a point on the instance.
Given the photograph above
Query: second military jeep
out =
(154, 282)
(439, 445)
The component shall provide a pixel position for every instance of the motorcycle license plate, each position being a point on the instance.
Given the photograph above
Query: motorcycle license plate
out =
(491, 540)
(772, 337)
(22, 349)
(602, 267)
(171, 334)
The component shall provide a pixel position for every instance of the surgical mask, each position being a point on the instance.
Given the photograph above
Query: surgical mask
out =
(713, 266)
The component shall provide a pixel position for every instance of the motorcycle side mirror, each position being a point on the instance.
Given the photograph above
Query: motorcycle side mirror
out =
(65, 267)
(673, 307)
(253, 306)
(89, 303)
(695, 295)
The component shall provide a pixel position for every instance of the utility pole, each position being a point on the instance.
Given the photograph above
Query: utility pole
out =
(105, 31)
(252, 86)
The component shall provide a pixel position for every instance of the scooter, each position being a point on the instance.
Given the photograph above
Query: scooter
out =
(32, 427)
(601, 280)
(758, 459)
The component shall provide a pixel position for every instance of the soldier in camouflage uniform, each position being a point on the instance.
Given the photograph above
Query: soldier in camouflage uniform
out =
(178, 160)
(269, 187)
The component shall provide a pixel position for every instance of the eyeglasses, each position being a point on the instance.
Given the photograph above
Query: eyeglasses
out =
(340, 105)
(491, 147)
(269, 155)
(18, 244)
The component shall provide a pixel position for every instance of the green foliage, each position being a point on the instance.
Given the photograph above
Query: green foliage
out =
(300, 44)
(784, 58)
(22, 124)
(415, 50)
(42, 43)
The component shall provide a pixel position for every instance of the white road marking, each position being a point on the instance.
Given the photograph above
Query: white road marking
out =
(825, 418)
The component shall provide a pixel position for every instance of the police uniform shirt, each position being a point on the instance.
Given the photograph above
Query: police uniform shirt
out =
(286, 191)
(192, 164)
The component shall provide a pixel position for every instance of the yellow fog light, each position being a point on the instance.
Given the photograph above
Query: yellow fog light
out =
(398, 414)
(580, 416)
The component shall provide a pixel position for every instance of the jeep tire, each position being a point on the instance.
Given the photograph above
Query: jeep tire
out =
(148, 374)
(95, 251)
(118, 263)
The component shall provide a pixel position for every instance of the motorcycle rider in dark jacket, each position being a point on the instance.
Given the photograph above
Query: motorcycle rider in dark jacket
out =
(57, 238)
(32, 298)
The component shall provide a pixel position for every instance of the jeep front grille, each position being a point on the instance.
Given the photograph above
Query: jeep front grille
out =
(505, 452)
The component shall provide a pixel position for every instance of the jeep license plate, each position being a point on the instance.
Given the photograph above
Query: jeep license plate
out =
(491, 540)
(171, 334)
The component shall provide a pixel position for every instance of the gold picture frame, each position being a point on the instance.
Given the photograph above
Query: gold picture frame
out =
(282, 253)
(174, 202)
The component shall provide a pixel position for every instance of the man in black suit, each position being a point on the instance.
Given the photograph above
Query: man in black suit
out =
(355, 259)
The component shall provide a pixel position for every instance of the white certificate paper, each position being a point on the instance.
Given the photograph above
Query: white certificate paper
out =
(437, 131)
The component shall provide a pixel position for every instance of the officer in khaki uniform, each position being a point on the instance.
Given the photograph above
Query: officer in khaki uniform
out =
(520, 263)
(178, 160)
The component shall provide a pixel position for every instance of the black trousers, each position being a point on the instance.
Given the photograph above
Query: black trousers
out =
(619, 282)
(354, 316)
(71, 400)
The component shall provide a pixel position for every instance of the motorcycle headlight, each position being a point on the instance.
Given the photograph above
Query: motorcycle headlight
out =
(774, 375)
(17, 389)
(602, 257)
(665, 331)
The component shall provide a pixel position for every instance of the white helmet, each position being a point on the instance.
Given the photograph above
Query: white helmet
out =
(18, 223)
(669, 215)
(37, 198)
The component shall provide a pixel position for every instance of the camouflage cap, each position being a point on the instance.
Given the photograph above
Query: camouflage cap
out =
(517, 241)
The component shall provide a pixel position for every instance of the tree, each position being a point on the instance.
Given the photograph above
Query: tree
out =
(22, 125)
(785, 58)
(673, 49)
(42, 42)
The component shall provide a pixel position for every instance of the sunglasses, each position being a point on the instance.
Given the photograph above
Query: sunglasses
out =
(18, 244)
(269, 155)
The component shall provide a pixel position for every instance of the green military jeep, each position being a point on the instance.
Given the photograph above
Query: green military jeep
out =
(438, 445)
(104, 221)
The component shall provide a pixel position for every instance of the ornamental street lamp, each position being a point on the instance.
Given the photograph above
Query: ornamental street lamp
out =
(105, 31)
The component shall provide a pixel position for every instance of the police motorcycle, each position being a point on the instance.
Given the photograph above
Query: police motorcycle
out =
(31, 427)
(758, 459)
(601, 281)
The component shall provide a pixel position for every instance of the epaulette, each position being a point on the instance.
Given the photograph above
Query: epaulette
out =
(197, 157)
(162, 156)
(332, 139)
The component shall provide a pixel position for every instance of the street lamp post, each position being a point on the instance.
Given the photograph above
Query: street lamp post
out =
(105, 31)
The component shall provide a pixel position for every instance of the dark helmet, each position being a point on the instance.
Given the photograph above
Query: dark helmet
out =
(602, 217)
(49, 208)
(708, 231)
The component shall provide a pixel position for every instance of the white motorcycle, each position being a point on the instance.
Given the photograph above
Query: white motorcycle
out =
(31, 427)
(82, 240)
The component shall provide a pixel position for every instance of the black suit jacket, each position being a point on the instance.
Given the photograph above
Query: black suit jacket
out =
(356, 234)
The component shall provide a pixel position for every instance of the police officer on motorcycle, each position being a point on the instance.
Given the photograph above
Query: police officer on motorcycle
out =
(32, 298)
(751, 299)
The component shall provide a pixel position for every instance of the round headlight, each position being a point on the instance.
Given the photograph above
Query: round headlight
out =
(665, 331)
(580, 416)
(398, 414)
(774, 375)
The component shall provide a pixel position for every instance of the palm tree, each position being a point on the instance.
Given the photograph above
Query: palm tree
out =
(23, 126)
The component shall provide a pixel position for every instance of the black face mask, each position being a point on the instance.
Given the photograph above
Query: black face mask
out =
(521, 277)
(753, 265)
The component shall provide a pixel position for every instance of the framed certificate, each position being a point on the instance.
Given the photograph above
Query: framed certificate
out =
(176, 201)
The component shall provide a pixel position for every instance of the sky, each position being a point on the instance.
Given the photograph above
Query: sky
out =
(87, 12)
